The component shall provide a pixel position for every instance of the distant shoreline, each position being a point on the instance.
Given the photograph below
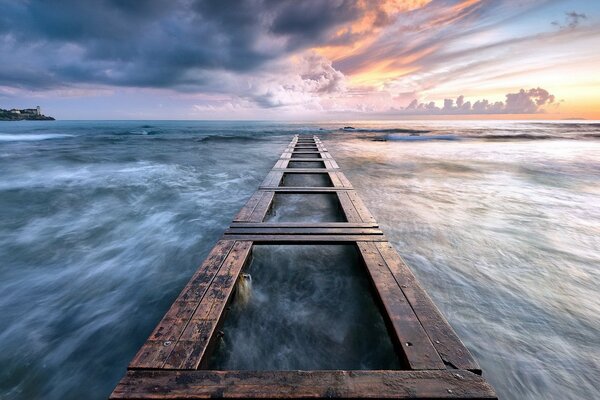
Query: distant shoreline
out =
(28, 114)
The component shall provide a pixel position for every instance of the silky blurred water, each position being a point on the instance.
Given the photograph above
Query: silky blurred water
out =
(310, 308)
(103, 223)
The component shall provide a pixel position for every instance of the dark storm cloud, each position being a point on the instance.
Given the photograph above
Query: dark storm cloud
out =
(154, 43)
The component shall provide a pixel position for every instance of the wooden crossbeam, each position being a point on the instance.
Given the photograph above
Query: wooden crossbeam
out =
(170, 364)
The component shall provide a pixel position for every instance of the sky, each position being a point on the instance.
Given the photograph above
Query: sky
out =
(301, 59)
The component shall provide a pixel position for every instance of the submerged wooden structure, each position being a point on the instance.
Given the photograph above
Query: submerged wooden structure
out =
(173, 361)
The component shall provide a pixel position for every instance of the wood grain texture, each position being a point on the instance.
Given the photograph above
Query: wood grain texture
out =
(450, 348)
(305, 159)
(273, 178)
(303, 384)
(189, 349)
(304, 170)
(305, 238)
(303, 225)
(348, 208)
(263, 206)
(168, 365)
(302, 231)
(418, 351)
(364, 213)
(303, 189)
(157, 348)
(248, 208)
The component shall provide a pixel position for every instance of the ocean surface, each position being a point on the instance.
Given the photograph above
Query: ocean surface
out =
(103, 222)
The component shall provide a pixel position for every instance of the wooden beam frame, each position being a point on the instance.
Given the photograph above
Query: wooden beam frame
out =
(170, 364)
(303, 385)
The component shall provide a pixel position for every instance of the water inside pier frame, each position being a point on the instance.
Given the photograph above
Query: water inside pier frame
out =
(306, 155)
(305, 207)
(306, 180)
(306, 164)
(310, 307)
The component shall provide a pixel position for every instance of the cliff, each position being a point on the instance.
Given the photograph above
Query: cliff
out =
(22, 115)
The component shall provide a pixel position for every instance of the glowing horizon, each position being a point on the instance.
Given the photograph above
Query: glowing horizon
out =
(303, 60)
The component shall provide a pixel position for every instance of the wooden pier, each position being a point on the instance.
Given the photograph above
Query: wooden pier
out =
(172, 364)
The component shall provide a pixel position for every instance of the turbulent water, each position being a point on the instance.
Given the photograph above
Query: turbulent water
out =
(310, 308)
(103, 223)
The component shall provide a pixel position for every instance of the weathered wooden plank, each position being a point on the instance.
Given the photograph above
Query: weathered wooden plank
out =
(262, 207)
(157, 348)
(451, 349)
(246, 211)
(348, 207)
(310, 156)
(344, 180)
(330, 164)
(302, 231)
(412, 340)
(304, 170)
(272, 178)
(282, 163)
(190, 348)
(306, 159)
(422, 335)
(303, 225)
(303, 384)
(276, 177)
(308, 238)
(304, 189)
(335, 180)
(363, 211)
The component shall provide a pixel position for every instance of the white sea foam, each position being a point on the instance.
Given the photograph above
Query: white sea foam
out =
(29, 137)
(101, 231)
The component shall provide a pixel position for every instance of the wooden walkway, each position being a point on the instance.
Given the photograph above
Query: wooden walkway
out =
(172, 362)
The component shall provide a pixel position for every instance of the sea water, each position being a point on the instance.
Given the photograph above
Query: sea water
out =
(102, 224)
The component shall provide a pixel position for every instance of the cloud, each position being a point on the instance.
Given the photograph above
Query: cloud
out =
(303, 81)
(530, 101)
(155, 43)
(288, 55)
(572, 20)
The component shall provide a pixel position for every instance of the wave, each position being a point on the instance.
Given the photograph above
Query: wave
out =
(570, 125)
(385, 130)
(232, 138)
(13, 137)
(523, 136)
(137, 132)
(420, 138)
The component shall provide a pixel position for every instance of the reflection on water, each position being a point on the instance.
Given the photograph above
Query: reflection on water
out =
(103, 223)
(311, 309)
